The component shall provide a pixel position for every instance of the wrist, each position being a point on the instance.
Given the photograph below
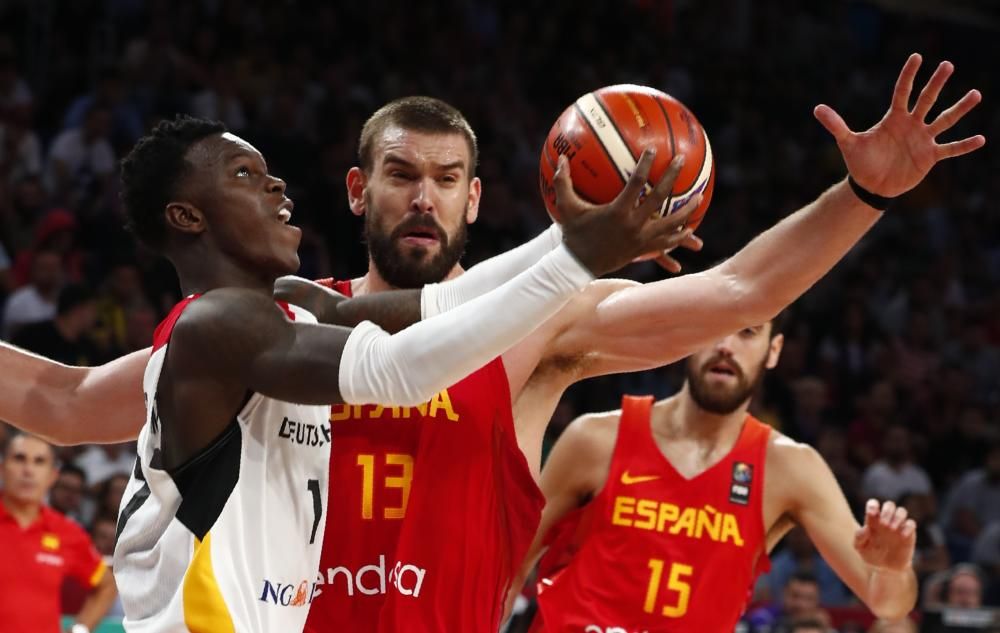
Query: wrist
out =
(875, 201)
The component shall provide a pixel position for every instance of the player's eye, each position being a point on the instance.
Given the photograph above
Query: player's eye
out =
(242, 171)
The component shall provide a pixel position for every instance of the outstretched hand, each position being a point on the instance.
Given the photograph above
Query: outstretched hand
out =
(896, 154)
(887, 538)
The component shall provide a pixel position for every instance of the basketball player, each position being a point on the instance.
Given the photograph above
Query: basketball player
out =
(220, 527)
(661, 515)
(439, 504)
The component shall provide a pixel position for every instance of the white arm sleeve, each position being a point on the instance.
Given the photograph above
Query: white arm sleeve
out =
(408, 368)
(487, 275)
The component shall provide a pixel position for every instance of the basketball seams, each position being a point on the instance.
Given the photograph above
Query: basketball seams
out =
(673, 151)
(607, 138)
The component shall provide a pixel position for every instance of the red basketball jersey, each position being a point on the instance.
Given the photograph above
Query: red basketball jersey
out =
(431, 511)
(658, 552)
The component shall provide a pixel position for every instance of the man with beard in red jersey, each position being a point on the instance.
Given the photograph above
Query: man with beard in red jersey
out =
(433, 519)
(660, 516)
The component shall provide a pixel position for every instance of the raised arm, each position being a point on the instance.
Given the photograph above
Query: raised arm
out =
(643, 326)
(874, 560)
(72, 405)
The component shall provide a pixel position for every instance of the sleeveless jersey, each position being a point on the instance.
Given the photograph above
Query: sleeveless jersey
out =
(432, 511)
(656, 552)
(229, 541)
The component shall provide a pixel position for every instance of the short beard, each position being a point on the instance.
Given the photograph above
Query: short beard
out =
(721, 402)
(413, 269)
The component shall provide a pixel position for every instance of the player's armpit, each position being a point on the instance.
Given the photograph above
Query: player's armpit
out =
(72, 405)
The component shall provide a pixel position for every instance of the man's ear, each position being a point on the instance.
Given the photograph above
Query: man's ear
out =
(357, 180)
(185, 218)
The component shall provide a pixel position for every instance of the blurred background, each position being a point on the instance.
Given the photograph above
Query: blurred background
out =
(890, 365)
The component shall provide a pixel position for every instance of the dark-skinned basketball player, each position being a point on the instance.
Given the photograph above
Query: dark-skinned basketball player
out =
(219, 529)
(659, 516)
(449, 501)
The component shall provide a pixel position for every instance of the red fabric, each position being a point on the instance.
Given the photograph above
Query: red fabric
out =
(36, 561)
(654, 536)
(161, 336)
(471, 511)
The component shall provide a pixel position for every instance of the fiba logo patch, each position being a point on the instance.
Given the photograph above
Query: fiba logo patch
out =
(739, 488)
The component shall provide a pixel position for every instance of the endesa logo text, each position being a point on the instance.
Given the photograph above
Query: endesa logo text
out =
(372, 580)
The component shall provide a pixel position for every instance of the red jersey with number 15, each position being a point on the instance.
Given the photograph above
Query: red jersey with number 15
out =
(656, 552)
(431, 511)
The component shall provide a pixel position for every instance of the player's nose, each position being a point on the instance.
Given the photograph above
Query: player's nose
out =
(422, 201)
(276, 185)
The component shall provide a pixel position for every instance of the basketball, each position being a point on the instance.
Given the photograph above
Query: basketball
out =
(603, 135)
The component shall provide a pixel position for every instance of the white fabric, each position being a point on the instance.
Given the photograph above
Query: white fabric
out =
(264, 565)
(487, 275)
(409, 367)
(26, 306)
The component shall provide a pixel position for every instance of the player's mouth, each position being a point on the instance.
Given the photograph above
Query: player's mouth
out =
(285, 211)
(421, 237)
(723, 369)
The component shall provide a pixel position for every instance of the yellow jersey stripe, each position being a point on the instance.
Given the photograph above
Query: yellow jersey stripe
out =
(98, 575)
(205, 610)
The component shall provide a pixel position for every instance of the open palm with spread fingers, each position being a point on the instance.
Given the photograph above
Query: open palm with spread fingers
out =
(897, 152)
(887, 538)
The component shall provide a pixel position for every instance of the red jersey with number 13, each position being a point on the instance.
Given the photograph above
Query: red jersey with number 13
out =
(431, 511)
(658, 552)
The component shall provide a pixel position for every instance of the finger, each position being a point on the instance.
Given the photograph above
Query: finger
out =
(670, 224)
(871, 511)
(888, 509)
(904, 84)
(654, 201)
(909, 528)
(928, 96)
(958, 148)
(861, 536)
(832, 121)
(947, 119)
(668, 263)
(566, 197)
(692, 243)
(897, 518)
(637, 181)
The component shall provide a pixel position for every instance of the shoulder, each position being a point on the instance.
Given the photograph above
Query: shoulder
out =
(793, 465)
(582, 455)
(594, 429)
(64, 526)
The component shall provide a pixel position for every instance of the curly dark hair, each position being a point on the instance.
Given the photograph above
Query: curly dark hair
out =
(153, 170)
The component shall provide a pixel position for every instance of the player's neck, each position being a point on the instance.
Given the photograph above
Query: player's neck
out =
(199, 273)
(24, 512)
(373, 281)
(690, 421)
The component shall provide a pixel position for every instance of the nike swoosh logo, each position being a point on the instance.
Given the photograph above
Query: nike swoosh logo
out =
(629, 480)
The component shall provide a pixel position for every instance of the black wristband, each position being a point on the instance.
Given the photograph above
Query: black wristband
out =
(871, 199)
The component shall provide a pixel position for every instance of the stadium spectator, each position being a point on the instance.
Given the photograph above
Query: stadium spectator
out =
(974, 503)
(799, 600)
(69, 493)
(64, 338)
(896, 474)
(36, 301)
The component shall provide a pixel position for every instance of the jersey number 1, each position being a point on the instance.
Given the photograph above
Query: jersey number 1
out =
(675, 582)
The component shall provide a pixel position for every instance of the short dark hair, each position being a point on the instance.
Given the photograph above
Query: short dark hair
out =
(17, 434)
(779, 323)
(71, 296)
(420, 114)
(154, 169)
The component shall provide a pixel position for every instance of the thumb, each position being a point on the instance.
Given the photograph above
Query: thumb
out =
(832, 121)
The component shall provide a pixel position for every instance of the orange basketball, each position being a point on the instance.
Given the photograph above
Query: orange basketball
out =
(604, 133)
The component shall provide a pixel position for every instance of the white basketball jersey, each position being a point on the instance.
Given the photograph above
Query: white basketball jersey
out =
(230, 541)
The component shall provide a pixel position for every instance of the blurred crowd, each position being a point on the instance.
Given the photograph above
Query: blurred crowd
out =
(890, 365)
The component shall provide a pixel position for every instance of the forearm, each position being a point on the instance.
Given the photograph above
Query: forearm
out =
(408, 368)
(97, 604)
(780, 264)
(489, 274)
(72, 405)
(891, 594)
